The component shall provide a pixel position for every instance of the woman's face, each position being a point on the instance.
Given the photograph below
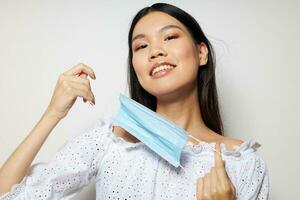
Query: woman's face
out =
(158, 37)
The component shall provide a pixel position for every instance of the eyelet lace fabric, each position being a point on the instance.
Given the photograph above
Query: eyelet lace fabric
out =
(125, 170)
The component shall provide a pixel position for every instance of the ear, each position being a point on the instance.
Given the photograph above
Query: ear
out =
(203, 53)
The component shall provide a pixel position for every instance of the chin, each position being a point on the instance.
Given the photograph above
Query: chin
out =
(165, 91)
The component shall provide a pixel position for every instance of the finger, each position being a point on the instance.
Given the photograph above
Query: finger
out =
(83, 75)
(200, 187)
(78, 69)
(214, 182)
(82, 91)
(206, 187)
(81, 79)
(219, 163)
(223, 178)
(224, 181)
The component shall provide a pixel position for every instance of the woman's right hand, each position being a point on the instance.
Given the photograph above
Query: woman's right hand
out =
(70, 85)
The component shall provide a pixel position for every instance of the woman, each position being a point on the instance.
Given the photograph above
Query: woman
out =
(171, 71)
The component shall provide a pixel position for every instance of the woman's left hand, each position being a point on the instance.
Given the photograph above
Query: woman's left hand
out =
(216, 185)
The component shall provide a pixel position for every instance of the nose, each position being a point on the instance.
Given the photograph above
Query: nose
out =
(155, 52)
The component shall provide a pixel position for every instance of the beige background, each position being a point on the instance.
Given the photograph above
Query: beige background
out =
(257, 45)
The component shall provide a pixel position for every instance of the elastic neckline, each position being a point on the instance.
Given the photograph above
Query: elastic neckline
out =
(195, 149)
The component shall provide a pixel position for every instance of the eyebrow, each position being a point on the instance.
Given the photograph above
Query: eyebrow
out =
(161, 30)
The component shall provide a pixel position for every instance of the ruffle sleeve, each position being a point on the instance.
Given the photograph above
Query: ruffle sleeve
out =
(70, 169)
(252, 178)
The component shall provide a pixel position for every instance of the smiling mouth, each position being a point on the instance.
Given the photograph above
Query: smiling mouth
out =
(162, 68)
(162, 71)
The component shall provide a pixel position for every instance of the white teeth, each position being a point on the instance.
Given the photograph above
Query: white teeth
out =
(163, 67)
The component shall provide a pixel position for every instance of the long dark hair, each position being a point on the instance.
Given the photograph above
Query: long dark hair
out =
(207, 92)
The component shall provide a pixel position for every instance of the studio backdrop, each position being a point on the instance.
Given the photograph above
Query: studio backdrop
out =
(257, 72)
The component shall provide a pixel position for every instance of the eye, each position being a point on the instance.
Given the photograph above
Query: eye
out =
(171, 37)
(141, 47)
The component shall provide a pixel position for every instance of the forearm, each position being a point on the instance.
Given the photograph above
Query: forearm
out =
(17, 165)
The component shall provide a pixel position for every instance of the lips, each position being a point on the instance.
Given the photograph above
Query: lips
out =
(160, 64)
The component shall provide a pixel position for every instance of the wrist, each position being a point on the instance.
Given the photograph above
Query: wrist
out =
(49, 113)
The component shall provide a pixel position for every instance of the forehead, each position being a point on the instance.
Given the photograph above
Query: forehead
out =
(154, 21)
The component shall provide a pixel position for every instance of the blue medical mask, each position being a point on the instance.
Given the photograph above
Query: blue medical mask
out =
(161, 135)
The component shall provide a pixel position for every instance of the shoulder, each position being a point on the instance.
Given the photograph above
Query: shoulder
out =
(229, 143)
(244, 154)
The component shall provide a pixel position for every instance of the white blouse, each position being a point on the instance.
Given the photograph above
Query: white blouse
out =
(131, 171)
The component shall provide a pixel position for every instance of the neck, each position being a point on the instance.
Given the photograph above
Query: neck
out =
(183, 110)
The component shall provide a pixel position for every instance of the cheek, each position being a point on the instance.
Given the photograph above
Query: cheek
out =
(138, 64)
(187, 58)
(186, 53)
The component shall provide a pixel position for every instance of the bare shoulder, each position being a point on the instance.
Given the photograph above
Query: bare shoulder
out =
(228, 141)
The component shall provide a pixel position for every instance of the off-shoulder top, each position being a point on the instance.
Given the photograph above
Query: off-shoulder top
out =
(132, 171)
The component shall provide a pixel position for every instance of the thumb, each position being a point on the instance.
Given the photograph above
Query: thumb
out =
(83, 75)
